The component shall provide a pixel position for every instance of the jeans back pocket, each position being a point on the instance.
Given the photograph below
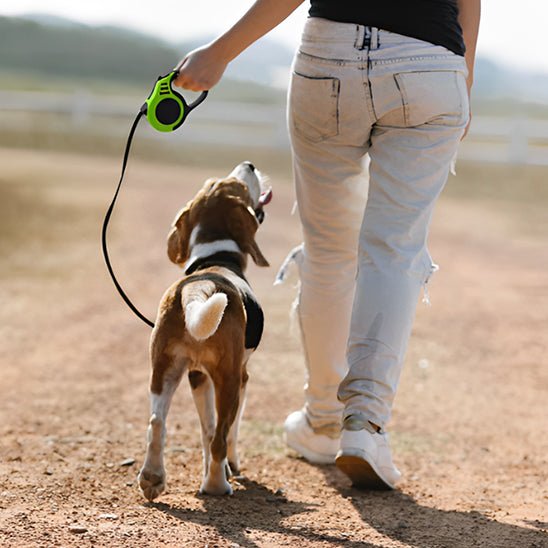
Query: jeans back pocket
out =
(314, 106)
(433, 96)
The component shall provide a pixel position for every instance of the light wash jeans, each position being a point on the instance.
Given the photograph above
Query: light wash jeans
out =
(355, 91)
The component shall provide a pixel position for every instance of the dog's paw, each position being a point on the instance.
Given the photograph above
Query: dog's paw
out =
(210, 487)
(152, 483)
(233, 468)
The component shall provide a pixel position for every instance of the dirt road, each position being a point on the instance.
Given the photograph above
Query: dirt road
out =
(469, 427)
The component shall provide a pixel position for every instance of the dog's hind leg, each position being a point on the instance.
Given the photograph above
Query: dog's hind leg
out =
(232, 449)
(204, 399)
(166, 375)
(227, 399)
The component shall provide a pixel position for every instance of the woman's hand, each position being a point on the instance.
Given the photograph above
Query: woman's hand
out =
(201, 69)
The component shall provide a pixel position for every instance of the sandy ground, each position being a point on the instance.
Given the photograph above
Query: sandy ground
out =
(469, 428)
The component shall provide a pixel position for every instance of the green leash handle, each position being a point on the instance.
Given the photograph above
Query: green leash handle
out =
(165, 108)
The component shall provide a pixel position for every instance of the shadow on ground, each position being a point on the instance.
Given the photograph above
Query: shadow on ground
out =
(264, 511)
(425, 527)
(393, 514)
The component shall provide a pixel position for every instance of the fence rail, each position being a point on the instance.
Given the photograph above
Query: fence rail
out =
(503, 139)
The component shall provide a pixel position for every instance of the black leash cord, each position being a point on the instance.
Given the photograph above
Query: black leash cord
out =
(107, 219)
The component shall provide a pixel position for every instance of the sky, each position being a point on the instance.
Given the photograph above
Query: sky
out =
(512, 33)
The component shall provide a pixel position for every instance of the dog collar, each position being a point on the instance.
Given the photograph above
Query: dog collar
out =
(227, 259)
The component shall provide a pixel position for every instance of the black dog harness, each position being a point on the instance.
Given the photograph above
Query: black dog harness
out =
(254, 313)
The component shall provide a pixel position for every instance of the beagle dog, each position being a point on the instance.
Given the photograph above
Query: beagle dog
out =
(208, 324)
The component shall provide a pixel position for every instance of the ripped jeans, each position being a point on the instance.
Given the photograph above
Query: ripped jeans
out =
(358, 91)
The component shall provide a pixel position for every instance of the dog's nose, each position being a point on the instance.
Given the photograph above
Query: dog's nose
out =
(250, 166)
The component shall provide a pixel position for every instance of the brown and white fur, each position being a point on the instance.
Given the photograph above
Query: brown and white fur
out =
(201, 325)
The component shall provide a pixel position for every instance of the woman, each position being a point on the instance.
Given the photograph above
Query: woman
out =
(391, 79)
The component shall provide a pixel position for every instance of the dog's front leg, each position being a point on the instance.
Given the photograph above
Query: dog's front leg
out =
(152, 477)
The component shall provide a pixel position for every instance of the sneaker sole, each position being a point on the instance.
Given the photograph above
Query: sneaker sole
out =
(361, 473)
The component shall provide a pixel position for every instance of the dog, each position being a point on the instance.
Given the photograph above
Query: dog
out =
(208, 324)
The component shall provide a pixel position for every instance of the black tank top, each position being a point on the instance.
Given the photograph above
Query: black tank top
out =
(435, 21)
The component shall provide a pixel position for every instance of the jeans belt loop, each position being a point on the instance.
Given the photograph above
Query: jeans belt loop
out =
(374, 40)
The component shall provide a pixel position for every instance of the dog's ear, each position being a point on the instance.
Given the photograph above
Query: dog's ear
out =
(178, 238)
(243, 225)
(209, 185)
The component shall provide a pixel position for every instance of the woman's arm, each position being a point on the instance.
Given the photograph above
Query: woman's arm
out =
(202, 68)
(469, 19)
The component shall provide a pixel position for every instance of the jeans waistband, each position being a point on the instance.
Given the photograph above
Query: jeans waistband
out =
(340, 43)
(353, 35)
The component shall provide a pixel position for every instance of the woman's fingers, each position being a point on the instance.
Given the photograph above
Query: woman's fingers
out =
(183, 78)
(200, 70)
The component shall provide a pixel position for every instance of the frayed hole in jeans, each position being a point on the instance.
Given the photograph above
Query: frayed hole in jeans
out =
(453, 168)
(426, 295)
(295, 256)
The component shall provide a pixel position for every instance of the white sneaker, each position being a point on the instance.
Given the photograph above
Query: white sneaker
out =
(315, 448)
(366, 459)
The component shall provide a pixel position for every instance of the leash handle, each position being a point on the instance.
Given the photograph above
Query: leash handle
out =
(195, 103)
(198, 101)
(166, 109)
(107, 220)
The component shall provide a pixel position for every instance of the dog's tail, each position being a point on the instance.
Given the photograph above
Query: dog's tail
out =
(203, 308)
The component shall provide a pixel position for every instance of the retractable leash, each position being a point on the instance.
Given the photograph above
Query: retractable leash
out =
(166, 110)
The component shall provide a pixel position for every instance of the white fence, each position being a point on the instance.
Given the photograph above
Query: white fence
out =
(505, 139)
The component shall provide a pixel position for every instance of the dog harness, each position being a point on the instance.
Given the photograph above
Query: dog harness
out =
(254, 325)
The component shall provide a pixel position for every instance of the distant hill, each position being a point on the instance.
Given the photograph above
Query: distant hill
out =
(58, 47)
(49, 47)
(54, 20)
(81, 51)
(493, 81)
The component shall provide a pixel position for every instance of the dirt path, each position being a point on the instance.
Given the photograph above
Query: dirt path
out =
(469, 428)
